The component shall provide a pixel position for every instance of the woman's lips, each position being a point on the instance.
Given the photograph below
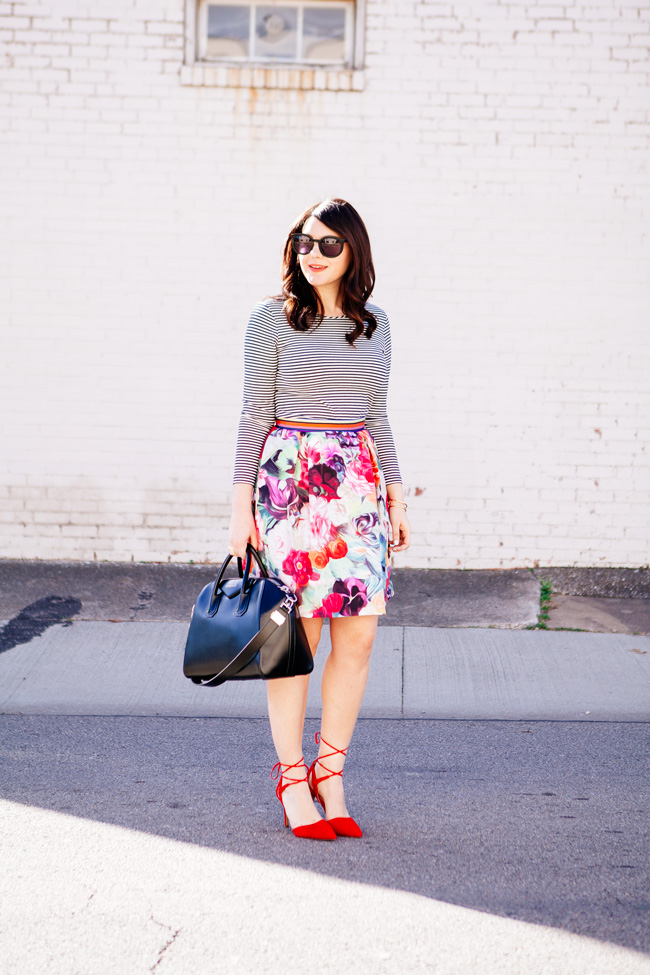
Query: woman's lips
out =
(317, 267)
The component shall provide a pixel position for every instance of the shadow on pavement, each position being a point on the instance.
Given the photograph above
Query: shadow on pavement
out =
(545, 822)
(34, 620)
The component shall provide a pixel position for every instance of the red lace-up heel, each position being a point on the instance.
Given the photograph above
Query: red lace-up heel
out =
(312, 831)
(342, 825)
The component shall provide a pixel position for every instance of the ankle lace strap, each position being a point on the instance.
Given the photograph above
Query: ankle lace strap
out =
(335, 751)
(278, 773)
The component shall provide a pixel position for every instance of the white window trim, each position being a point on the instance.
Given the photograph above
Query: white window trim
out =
(223, 73)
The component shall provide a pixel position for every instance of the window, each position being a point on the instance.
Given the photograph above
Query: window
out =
(319, 40)
(316, 33)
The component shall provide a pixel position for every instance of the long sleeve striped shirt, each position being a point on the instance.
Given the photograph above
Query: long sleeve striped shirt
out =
(312, 376)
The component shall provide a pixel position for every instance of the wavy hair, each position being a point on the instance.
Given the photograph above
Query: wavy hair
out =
(302, 304)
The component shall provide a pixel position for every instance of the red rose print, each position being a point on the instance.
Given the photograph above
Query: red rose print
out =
(337, 548)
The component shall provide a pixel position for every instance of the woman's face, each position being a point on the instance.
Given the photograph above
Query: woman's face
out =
(323, 272)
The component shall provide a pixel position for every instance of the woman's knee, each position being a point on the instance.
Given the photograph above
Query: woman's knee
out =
(352, 644)
(355, 658)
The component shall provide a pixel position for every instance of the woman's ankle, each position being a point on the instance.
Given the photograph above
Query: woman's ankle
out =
(300, 806)
(331, 790)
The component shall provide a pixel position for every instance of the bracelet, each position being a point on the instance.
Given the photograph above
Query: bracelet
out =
(393, 501)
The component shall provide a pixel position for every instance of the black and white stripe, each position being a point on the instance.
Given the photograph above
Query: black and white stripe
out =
(315, 375)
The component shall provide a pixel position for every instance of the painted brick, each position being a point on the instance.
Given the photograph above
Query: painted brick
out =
(508, 146)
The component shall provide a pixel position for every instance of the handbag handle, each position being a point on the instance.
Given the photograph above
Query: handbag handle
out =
(253, 551)
(247, 584)
(224, 565)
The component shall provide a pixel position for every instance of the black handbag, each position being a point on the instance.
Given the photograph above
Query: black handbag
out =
(245, 629)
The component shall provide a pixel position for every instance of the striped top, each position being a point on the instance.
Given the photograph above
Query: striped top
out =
(313, 376)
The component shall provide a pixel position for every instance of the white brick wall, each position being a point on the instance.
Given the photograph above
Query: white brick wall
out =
(499, 155)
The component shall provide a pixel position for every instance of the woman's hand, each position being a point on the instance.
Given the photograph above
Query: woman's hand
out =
(242, 522)
(401, 529)
(242, 531)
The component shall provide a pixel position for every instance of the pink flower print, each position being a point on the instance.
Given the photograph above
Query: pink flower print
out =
(320, 525)
(330, 605)
(313, 452)
(334, 511)
(359, 474)
(298, 565)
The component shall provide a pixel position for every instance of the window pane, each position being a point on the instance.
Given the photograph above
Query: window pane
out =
(324, 34)
(228, 28)
(275, 32)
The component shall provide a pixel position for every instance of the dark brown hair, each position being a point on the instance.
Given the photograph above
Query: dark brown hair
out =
(302, 303)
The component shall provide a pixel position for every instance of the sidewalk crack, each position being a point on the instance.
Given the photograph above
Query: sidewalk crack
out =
(167, 945)
(403, 656)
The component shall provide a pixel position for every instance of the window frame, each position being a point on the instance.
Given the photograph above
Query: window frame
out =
(201, 69)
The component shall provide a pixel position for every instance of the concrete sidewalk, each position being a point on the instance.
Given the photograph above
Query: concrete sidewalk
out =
(89, 638)
(135, 668)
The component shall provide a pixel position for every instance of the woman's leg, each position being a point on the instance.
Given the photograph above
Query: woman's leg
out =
(287, 703)
(343, 684)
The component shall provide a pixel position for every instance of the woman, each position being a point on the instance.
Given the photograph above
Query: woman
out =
(317, 488)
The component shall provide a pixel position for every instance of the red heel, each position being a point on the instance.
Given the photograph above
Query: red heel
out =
(312, 831)
(342, 825)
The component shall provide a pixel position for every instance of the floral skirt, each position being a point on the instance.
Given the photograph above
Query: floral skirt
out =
(320, 510)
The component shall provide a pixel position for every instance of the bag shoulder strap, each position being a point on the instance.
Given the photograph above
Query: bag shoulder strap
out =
(277, 618)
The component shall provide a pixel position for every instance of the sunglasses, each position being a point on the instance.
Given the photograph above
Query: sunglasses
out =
(329, 246)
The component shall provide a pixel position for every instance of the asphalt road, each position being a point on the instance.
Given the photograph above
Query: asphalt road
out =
(470, 829)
